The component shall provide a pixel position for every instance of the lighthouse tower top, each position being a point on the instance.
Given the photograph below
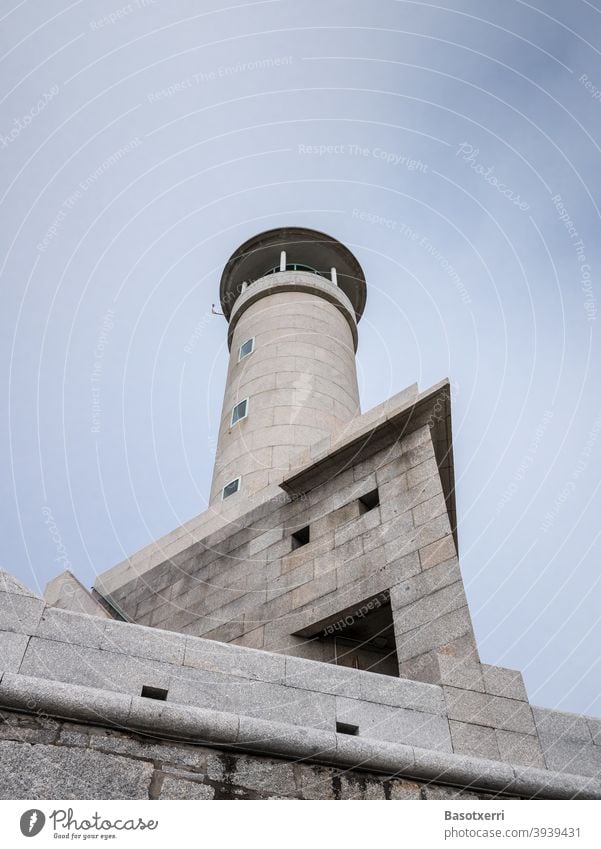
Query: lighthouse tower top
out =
(292, 249)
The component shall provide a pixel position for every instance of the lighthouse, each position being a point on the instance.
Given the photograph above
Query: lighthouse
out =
(316, 611)
(293, 298)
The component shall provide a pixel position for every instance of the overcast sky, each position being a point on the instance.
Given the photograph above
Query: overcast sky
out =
(454, 147)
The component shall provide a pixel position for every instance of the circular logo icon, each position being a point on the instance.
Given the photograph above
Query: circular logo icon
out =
(32, 822)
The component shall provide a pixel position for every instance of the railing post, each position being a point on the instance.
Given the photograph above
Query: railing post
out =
(283, 261)
(333, 276)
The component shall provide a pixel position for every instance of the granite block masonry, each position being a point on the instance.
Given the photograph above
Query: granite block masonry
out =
(308, 635)
(90, 717)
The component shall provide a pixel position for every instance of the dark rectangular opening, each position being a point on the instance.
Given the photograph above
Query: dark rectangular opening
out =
(360, 636)
(369, 501)
(301, 537)
(154, 693)
(345, 728)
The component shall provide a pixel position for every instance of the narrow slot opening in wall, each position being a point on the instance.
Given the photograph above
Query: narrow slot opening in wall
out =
(154, 693)
(369, 501)
(346, 728)
(301, 537)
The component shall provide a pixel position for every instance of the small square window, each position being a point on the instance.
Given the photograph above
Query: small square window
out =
(369, 501)
(230, 488)
(301, 537)
(246, 348)
(240, 411)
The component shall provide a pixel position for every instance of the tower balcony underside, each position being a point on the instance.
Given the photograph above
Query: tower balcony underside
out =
(293, 249)
(292, 281)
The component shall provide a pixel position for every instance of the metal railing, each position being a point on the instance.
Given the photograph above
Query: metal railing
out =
(329, 275)
(297, 266)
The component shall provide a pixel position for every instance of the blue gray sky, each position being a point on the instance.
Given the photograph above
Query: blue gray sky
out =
(454, 147)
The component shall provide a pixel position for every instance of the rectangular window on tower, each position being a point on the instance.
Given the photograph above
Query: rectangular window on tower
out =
(246, 348)
(240, 411)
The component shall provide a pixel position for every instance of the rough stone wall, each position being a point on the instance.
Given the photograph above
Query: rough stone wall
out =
(44, 758)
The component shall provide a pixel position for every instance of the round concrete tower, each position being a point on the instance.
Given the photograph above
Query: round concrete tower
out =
(292, 298)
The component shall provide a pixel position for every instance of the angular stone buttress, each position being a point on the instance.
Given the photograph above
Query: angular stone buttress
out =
(308, 635)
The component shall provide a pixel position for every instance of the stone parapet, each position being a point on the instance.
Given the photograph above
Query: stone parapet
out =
(264, 737)
(86, 669)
